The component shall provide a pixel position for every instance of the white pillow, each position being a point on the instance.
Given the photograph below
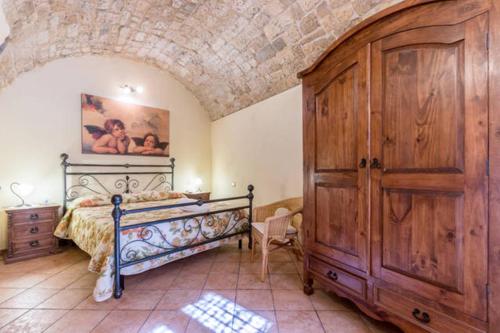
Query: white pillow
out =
(193, 208)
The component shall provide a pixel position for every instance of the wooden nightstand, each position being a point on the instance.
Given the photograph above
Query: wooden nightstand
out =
(31, 232)
(198, 195)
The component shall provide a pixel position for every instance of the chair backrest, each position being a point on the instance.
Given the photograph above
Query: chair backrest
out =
(281, 211)
(262, 212)
(276, 226)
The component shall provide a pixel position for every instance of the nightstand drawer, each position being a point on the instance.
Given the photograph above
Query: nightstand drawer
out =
(32, 245)
(32, 230)
(32, 215)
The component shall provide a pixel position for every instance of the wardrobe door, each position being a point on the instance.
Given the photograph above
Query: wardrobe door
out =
(429, 189)
(336, 153)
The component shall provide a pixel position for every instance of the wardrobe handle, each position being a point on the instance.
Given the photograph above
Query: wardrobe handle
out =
(34, 216)
(332, 275)
(362, 164)
(422, 317)
(34, 230)
(375, 164)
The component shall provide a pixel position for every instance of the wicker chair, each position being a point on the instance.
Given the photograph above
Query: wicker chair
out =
(293, 204)
(280, 228)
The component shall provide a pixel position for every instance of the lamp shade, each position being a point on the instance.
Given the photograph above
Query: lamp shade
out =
(21, 190)
(198, 182)
(195, 185)
(25, 189)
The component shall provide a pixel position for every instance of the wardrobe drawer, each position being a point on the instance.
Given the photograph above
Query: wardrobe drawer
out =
(338, 277)
(32, 230)
(421, 315)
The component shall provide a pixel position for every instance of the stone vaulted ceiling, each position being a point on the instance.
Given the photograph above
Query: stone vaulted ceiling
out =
(229, 53)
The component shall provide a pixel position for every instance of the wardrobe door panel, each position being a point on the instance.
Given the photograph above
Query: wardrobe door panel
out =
(423, 236)
(337, 133)
(429, 193)
(336, 218)
(336, 123)
(423, 123)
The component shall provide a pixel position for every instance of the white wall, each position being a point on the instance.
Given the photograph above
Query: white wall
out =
(40, 118)
(261, 145)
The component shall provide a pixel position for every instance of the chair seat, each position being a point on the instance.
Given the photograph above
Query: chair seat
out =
(259, 226)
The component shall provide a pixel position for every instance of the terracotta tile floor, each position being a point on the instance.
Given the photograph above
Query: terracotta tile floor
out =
(217, 291)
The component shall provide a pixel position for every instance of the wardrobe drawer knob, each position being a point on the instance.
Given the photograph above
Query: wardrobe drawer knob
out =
(421, 316)
(332, 275)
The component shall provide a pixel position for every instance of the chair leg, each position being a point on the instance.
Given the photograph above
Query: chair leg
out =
(299, 247)
(265, 257)
(296, 248)
(252, 253)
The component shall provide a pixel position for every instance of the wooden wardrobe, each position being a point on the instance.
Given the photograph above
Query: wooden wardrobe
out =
(402, 166)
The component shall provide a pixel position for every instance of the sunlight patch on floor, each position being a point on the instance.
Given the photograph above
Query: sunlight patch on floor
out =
(222, 315)
(162, 329)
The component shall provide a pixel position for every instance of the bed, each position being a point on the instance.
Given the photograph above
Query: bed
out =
(142, 227)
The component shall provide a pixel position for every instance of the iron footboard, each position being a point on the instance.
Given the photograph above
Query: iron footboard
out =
(150, 228)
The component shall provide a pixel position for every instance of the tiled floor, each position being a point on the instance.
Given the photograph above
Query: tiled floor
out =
(217, 291)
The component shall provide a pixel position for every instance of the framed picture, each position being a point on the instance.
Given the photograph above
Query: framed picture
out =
(117, 128)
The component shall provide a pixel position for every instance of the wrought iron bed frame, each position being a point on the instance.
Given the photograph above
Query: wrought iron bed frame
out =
(127, 184)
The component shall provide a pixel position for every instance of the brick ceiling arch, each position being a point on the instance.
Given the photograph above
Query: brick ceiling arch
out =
(229, 53)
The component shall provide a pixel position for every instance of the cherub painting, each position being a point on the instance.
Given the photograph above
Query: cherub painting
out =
(112, 139)
(113, 127)
(149, 145)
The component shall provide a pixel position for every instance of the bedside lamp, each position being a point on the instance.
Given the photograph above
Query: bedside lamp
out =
(20, 191)
(195, 185)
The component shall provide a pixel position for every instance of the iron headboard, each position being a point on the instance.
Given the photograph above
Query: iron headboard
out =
(87, 178)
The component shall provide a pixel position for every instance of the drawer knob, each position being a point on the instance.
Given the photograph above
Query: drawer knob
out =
(332, 275)
(421, 316)
(34, 230)
(34, 243)
(34, 216)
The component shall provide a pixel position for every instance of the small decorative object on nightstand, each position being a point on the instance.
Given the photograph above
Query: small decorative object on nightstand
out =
(198, 195)
(31, 232)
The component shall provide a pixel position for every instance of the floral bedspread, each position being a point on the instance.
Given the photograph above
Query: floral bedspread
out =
(91, 228)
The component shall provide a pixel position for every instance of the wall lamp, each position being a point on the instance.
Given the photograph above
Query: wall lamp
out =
(128, 89)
